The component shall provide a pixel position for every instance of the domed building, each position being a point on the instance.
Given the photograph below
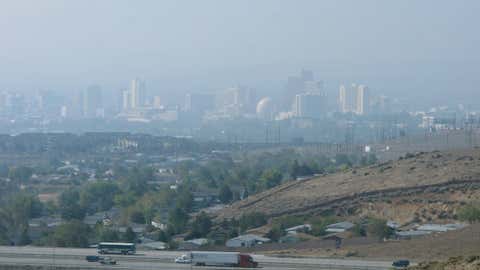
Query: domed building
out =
(266, 108)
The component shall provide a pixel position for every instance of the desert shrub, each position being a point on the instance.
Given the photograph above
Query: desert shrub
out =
(469, 213)
(319, 225)
(252, 220)
(379, 228)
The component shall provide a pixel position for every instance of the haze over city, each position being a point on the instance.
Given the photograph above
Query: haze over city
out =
(214, 134)
(424, 51)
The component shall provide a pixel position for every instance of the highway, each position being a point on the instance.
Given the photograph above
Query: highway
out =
(159, 260)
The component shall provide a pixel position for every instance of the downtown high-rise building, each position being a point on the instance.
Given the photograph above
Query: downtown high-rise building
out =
(305, 83)
(310, 105)
(354, 99)
(363, 100)
(136, 96)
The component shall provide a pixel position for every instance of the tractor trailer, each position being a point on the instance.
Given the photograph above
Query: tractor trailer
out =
(232, 259)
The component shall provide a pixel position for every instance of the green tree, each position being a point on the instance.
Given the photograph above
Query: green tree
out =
(163, 236)
(20, 174)
(4, 170)
(271, 178)
(225, 194)
(184, 200)
(319, 224)
(469, 213)
(69, 205)
(177, 219)
(201, 226)
(130, 236)
(359, 230)
(137, 180)
(24, 237)
(294, 169)
(105, 234)
(379, 228)
(343, 159)
(98, 196)
(71, 234)
(125, 199)
(136, 216)
(275, 233)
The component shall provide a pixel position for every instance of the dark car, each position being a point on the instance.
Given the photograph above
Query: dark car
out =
(92, 258)
(401, 263)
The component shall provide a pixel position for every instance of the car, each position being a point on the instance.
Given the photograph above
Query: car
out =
(401, 263)
(92, 258)
(185, 259)
(108, 260)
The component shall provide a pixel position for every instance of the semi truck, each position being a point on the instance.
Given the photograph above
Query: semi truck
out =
(232, 259)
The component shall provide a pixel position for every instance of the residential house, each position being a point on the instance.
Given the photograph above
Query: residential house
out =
(300, 228)
(247, 240)
(339, 227)
(193, 244)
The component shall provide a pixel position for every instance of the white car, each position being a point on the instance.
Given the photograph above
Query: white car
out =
(183, 259)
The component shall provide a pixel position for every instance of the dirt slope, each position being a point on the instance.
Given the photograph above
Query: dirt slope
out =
(421, 173)
(454, 263)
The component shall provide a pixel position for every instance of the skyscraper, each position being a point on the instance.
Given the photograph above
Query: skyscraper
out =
(309, 105)
(138, 94)
(363, 100)
(354, 99)
(304, 83)
(126, 102)
(157, 102)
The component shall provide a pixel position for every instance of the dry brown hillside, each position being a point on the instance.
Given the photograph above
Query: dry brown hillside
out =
(442, 178)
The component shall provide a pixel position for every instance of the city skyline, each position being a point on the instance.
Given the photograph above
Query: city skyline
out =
(428, 57)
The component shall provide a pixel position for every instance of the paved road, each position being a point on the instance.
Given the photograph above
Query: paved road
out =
(159, 260)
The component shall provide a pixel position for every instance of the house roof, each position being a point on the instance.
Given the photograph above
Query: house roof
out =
(198, 241)
(412, 233)
(250, 237)
(155, 245)
(345, 225)
(440, 227)
(299, 227)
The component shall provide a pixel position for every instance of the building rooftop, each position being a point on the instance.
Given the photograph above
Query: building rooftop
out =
(251, 237)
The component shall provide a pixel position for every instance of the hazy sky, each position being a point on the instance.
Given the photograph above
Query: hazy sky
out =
(397, 47)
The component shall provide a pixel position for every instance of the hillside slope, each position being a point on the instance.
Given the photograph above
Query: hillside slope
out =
(415, 175)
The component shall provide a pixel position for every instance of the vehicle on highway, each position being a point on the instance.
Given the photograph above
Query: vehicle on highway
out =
(183, 259)
(232, 259)
(108, 260)
(401, 263)
(92, 258)
(116, 248)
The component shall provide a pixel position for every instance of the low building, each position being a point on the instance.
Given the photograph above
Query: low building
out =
(193, 244)
(290, 238)
(339, 227)
(440, 227)
(136, 228)
(48, 222)
(393, 225)
(159, 225)
(155, 245)
(410, 234)
(300, 228)
(246, 240)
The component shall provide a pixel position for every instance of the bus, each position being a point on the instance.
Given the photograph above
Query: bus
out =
(116, 248)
